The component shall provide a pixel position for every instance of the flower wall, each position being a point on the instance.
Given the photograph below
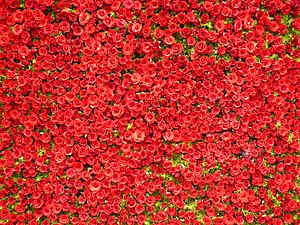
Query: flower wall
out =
(149, 112)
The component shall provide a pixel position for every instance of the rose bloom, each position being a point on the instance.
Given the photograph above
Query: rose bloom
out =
(168, 135)
(136, 28)
(296, 24)
(95, 185)
(139, 208)
(45, 138)
(138, 136)
(283, 188)
(288, 218)
(64, 219)
(250, 218)
(117, 111)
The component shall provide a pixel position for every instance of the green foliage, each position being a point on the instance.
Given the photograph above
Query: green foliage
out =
(278, 125)
(22, 4)
(290, 138)
(129, 126)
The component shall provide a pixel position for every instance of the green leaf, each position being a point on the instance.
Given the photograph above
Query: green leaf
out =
(22, 4)
(272, 115)
(278, 125)
(129, 126)
(116, 133)
(2, 78)
(113, 14)
(148, 170)
(53, 16)
(273, 198)
(122, 204)
(31, 65)
(274, 56)
(290, 138)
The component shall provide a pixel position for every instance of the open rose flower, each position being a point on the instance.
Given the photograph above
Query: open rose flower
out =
(296, 24)
(117, 111)
(95, 185)
(138, 136)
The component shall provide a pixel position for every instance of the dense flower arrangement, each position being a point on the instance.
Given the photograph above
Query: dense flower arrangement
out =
(149, 112)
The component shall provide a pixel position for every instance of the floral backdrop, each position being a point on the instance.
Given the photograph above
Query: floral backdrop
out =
(176, 112)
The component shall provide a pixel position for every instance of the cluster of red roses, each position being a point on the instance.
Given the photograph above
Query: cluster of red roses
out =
(149, 112)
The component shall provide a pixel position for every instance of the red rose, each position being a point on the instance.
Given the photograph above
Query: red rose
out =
(136, 28)
(288, 219)
(139, 208)
(45, 138)
(64, 219)
(117, 111)
(60, 157)
(296, 24)
(95, 185)
(200, 47)
(182, 18)
(138, 136)
(204, 18)
(229, 219)
(17, 30)
(169, 40)
(208, 6)
(147, 47)
(64, 26)
(168, 135)
(249, 218)
(283, 188)
(238, 25)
